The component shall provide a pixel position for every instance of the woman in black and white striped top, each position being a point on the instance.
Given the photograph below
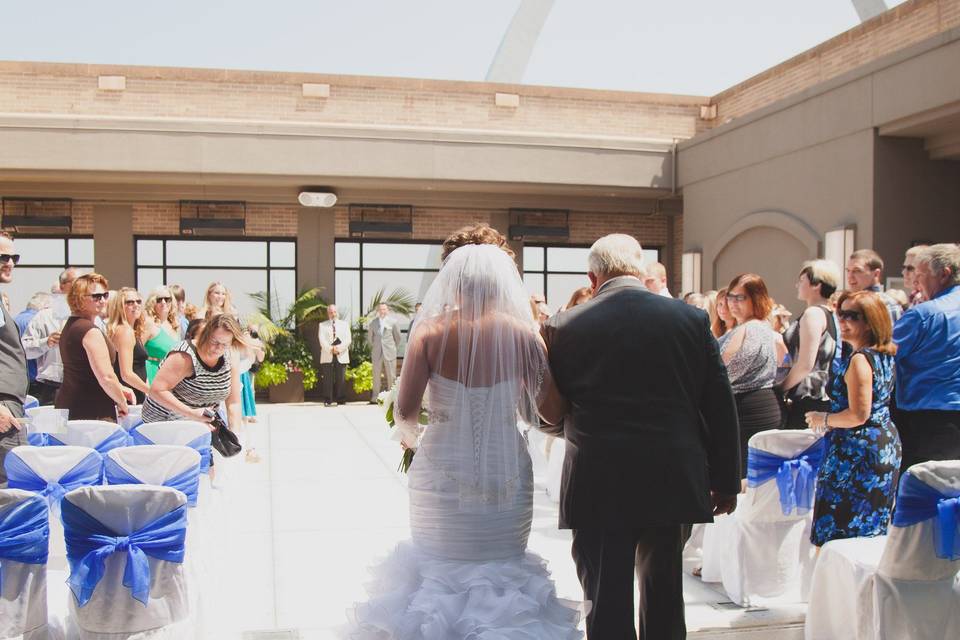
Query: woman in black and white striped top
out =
(199, 375)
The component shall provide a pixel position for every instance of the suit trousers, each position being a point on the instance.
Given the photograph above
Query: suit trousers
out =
(334, 384)
(606, 562)
(386, 367)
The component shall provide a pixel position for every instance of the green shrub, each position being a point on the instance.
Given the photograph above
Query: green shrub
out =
(361, 377)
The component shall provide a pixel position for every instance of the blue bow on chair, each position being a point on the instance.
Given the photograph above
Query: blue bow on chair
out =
(187, 482)
(43, 440)
(90, 543)
(795, 476)
(118, 438)
(85, 473)
(200, 444)
(24, 533)
(918, 501)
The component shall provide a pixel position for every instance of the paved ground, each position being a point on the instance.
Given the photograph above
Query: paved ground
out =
(302, 526)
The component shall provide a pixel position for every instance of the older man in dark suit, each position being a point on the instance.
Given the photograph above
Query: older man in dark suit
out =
(652, 441)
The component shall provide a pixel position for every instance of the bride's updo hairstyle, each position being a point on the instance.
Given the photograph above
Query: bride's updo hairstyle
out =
(477, 233)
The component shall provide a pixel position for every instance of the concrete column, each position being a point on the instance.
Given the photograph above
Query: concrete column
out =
(113, 251)
(315, 262)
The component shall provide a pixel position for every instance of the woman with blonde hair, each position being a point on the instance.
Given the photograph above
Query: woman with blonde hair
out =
(722, 321)
(125, 327)
(857, 480)
(161, 333)
(217, 300)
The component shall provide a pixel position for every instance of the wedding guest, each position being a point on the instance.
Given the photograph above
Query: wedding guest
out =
(38, 302)
(5, 299)
(192, 312)
(910, 276)
(812, 342)
(752, 354)
(198, 375)
(900, 296)
(928, 361)
(249, 363)
(334, 336)
(656, 279)
(710, 305)
(857, 481)
(179, 307)
(90, 389)
(125, 327)
(194, 327)
(779, 318)
(723, 321)
(581, 295)
(161, 331)
(383, 336)
(42, 336)
(864, 273)
(13, 364)
(538, 305)
(216, 300)
(695, 299)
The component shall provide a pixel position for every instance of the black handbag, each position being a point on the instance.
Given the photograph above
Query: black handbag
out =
(222, 439)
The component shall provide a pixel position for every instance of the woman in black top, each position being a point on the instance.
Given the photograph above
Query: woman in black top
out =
(125, 330)
(812, 343)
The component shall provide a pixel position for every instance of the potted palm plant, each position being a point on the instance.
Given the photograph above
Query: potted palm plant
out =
(360, 372)
(288, 368)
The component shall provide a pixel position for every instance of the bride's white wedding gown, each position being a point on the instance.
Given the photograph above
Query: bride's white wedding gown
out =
(466, 573)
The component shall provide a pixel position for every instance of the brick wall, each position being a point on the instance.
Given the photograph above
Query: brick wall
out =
(163, 218)
(900, 27)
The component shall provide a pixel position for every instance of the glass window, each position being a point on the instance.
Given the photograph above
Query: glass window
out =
(415, 282)
(216, 253)
(283, 288)
(283, 254)
(81, 251)
(560, 286)
(149, 279)
(348, 294)
(534, 283)
(650, 256)
(533, 258)
(46, 251)
(567, 259)
(150, 252)
(27, 282)
(346, 254)
(240, 282)
(381, 255)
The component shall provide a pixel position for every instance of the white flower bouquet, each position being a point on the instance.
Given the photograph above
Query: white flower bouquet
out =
(387, 400)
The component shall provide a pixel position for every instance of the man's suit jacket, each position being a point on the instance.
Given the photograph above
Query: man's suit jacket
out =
(387, 342)
(326, 341)
(653, 425)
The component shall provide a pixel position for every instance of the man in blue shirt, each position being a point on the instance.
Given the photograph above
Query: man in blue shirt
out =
(40, 300)
(928, 361)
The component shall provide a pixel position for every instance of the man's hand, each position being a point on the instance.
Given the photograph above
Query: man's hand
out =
(129, 395)
(7, 421)
(53, 339)
(335, 350)
(723, 503)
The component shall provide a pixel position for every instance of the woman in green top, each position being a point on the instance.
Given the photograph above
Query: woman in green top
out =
(160, 331)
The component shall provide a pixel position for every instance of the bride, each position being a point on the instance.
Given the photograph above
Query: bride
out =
(475, 353)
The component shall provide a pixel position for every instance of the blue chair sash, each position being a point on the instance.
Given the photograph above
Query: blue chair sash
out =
(118, 438)
(44, 440)
(187, 482)
(200, 444)
(29, 402)
(24, 533)
(87, 472)
(90, 543)
(918, 501)
(795, 476)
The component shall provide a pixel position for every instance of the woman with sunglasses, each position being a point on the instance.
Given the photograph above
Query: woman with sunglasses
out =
(125, 327)
(90, 388)
(857, 481)
(752, 353)
(162, 331)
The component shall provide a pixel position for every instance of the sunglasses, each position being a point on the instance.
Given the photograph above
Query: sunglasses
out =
(850, 316)
(133, 302)
(10, 257)
(736, 298)
(164, 299)
(98, 297)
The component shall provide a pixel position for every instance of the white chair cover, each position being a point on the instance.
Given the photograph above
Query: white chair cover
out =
(112, 613)
(133, 417)
(23, 594)
(45, 420)
(94, 434)
(759, 552)
(889, 587)
(182, 433)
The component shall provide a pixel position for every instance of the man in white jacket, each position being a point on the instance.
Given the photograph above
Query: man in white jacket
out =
(41, 340)
(334, 338)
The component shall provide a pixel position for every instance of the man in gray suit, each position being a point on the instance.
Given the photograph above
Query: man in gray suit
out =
(13, 365)
(652, 441)
(383, 333)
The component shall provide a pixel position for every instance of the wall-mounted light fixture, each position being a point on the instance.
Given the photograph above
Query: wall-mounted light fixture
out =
(317, 198)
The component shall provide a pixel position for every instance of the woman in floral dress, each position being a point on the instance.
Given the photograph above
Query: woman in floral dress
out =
(857, 481)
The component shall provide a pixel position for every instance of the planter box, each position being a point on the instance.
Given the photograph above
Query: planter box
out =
(289, 391)
(353, 396)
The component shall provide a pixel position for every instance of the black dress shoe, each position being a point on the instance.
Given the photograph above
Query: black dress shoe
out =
(327, 404)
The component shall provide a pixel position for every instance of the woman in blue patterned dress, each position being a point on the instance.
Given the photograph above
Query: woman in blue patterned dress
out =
(857, 481)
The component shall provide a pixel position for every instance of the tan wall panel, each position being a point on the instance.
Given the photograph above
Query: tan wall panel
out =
(113, 244)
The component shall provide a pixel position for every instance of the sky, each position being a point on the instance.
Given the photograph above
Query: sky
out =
(696, 47)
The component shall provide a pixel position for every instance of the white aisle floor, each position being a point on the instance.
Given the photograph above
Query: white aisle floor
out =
(300, 528)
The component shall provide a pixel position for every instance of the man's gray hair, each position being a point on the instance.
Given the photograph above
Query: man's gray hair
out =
(40, 301)
(941, 257)
(616, 254)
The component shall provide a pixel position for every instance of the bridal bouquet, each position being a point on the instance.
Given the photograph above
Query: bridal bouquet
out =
(387, 400)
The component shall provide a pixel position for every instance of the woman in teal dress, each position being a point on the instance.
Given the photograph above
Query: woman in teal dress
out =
(161, 329)
(857, 482)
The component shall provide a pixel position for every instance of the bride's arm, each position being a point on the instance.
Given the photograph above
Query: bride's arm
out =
(413, 382)
(551, 404)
